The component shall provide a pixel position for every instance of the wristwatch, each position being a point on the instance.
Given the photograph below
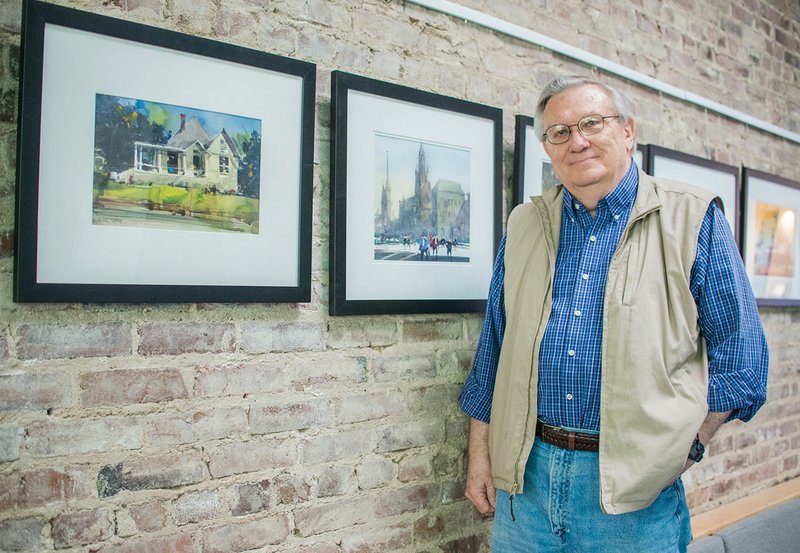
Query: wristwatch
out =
(697, 450)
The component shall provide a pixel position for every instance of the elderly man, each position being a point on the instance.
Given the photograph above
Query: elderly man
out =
(621, 332)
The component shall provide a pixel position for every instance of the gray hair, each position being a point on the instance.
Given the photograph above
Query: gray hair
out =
(560, 84)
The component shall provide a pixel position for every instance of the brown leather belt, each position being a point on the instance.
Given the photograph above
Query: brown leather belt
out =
(567, 440)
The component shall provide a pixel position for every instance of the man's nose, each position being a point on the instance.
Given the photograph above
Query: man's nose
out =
(577, 141)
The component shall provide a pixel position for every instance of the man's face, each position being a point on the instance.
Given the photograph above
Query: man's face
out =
(599, 160)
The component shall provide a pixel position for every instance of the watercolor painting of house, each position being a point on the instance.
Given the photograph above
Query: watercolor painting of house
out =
(166, 166)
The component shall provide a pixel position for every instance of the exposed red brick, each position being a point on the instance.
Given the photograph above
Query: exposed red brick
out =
(377, 541)
(335, 481)
(203, 425)
(243, 536)
(375, 473)
(264, 336)
(372, 406)
(411, 367)
(290, 488)
(318, 519)
(337, 446)
(178, 543)
(252, 498)
(241, 379)
(50, 341)
(416, 467)
(195, 507)
(238, 458)
(10, 440)
(269, 417)
(149, 517)
(21, 534)
(81, 528)
(24, 391)
(181, 338)
(433, 331)
(351, 332)
(74, 436)
(128, 386)
(40, 487)
(408, 435)
(406, 500)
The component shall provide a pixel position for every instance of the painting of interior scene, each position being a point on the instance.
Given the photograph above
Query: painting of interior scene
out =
(422, 201)
(171, 167)
(775, 240)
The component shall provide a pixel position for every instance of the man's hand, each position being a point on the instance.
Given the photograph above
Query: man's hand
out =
(480, 487)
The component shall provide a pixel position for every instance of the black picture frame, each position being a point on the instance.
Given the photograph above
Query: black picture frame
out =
(371, 271)
(719, 178)
(640, 157)
(533, 171)
(63, 254)
(770, 212)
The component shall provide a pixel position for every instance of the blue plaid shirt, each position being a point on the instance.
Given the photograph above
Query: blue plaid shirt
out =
(569, 393)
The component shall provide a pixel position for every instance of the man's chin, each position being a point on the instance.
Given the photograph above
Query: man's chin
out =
(587, 178)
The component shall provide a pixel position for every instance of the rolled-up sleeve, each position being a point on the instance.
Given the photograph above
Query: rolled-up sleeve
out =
(738, 357)
(476, 396)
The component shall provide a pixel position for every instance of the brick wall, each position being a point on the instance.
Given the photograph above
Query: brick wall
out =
(218, 428)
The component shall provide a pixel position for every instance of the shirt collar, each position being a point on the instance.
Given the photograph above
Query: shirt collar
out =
(618, 200)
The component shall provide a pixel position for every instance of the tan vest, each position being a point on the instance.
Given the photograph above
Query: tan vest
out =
(654, 379)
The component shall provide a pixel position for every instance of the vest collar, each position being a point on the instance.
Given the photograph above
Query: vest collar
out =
(647, 199)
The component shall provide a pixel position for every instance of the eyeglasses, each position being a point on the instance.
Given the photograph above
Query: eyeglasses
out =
(589, 125)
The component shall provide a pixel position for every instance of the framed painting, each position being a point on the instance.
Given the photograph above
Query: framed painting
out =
(772, 237)
(719, 178)
(158, 167)
(533, 172)
(415, 201)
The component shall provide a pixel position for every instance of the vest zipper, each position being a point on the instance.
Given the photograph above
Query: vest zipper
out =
(622, 239)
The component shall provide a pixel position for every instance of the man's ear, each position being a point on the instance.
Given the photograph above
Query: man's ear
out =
(630, 134)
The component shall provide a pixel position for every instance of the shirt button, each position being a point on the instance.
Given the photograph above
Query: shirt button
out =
(585, 276)
(593, 238)
(616, 217)
(569, 396)
(571, 352)
(577, 312)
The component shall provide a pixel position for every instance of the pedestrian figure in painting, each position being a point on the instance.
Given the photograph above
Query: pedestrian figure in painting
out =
(423, 247)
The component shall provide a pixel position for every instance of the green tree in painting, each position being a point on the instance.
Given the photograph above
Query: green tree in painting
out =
(250, 166)
(118, 126)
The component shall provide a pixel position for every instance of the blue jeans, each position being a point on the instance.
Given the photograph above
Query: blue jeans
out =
(560, 512)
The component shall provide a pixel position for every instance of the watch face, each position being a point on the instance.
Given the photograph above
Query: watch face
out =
(697, 450)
